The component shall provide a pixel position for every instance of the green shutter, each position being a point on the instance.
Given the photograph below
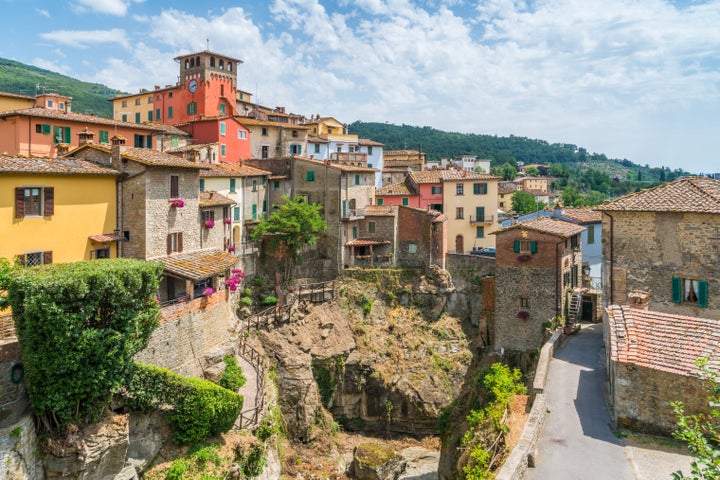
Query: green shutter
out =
(533, 247)
(380, 201)
(299, 149)
(677, 289)
(357, 179)
(174, 140)
(137, 117)
(46, 129)
(150, 116)
(702, 293)
(254, 212)
(232, 185)
(222, 109)
(104, 136)
(68, 135)
(170, 112)
(236, 214)
(149, 141)
(124, 117)
(264, 206)
(479, 214)
(344, 208)
(516, 246)
(405, 202)
(476, 188)
(310, 176)
(157, 114)
(202, 184)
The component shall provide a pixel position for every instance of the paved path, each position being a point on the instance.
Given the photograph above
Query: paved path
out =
(577, 441)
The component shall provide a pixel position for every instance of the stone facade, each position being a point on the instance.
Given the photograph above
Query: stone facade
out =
(646, 250)
(421, 238)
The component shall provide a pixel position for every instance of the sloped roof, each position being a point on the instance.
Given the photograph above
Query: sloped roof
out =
(39, 112)
(145, 156)
(198, 265)
(369, 143)
(690, 194)
(582, 215)
(60, 165)
(232, 170)
(437, 176)
(399, 189)
(364, 242)
(337, 166)
(662, 341)
(267, 123)
(211, 198)
(550, 226)
(190, 148)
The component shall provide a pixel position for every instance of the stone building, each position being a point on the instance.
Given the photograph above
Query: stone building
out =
(651, 362)
(665, 240)
(537, 266)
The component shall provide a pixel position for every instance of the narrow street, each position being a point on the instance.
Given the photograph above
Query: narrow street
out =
(577, 441)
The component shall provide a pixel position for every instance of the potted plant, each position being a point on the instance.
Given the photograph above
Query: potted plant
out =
(208, 292)
(228, 220)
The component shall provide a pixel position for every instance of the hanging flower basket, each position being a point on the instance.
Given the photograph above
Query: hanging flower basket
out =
(231, 248)
(522, 315)
(228, 221)
(236, 280)
(209, 223)
(208, 292)
(177, 203)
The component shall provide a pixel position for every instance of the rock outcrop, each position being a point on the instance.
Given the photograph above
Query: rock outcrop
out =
(375, 461)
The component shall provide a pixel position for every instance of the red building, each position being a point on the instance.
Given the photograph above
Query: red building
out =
(232, 137)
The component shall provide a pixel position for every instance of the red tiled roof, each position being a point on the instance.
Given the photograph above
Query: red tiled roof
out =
(198, 265)
(379, 211)
(364, 242)
(691, 194)
(232, 170)
(210, 198)
(582, 215)
(190, 148)
(252, 121)
(400, 189)
(547, 225)
(437, 176)
(662, 341)
(63, 165)
(146, 156)
(370, 143)
(39, 112)
(337, 166)
(107, 237)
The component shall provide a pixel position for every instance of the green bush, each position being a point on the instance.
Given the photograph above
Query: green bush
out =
(79, 326)
(245, 302)
(200, 408)
(269, 300)
(232, 378)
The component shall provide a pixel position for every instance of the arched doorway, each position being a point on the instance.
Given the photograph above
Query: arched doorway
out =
(459, 244)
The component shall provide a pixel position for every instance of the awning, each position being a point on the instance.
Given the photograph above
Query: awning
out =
(198, 265)
(107, 238)
(364, 242)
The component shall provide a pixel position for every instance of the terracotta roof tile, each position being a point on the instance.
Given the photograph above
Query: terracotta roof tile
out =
(400, 189)
(76, 117)
(252, 121)
(550, 226)
(232, 170)
(662, 341)
(379, 211)
(691, 194)
(338, 166)
(151, 157)
(190, 148)
(362, 242)
(370, 143)
(107, 237)
(210, 198)
(582, 215)
(61, 165)
(437, 176)
(198, 265)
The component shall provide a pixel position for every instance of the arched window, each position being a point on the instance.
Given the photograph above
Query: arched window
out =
(192, 62)
(221, 64)
(229, 66)
(212, 61)
(197, 60)
(187, 64)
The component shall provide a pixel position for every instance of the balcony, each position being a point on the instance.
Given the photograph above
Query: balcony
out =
(349, 158)
(353, 214)
(485, 219)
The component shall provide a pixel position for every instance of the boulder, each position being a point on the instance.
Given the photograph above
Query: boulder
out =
(375, 461)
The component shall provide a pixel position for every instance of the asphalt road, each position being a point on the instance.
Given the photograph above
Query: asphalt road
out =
(577, 441)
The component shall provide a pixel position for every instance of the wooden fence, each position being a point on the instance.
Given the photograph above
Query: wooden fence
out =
(251, 417)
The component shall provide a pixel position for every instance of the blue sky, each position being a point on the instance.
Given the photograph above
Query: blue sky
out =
(635, 79)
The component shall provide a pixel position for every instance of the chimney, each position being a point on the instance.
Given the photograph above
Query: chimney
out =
(515, 219)
(639, 299)
(118, 148)
(85, 136)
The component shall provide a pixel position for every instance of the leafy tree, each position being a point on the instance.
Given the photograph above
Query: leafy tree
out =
(533, 171)
(506, 171)
(701, 432)
(594, 198)
(523, 202)
(79, 326)
(293, 224)
(571, 197)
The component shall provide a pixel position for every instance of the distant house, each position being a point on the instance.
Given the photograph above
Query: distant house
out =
(398, 163)
(537, 267)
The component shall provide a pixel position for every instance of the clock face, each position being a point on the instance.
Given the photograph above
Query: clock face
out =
(193, 86)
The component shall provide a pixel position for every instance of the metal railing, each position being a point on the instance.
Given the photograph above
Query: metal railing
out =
(483, 219)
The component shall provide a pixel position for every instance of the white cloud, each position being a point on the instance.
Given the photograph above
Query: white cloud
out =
(52, 66)
(42, 12)
(86, 38)
(110, 7)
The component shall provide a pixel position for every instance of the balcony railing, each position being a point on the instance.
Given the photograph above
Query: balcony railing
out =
(349, 158)
(353, 214)
(484, 219)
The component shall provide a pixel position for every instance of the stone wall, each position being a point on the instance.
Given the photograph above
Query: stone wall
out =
(645, 250)
(470, 300)
(641, 397)
(18, 451)
(187, 330)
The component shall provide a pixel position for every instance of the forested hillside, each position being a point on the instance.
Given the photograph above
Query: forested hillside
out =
(16, 77)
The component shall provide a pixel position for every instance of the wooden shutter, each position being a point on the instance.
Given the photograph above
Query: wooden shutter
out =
(180, 242)
(149, 141)
(479, 214)
(19, 202)
(174, 186)
(68, 136)
(677, 289)
(49, 208)
(702, 293)
(516, 246)
(533, 247)
(169, 243)
(47, 258)
(46, 129)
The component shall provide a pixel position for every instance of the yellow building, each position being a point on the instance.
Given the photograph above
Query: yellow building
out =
(13, 101)
(56, 210)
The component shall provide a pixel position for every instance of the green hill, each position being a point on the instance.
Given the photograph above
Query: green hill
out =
(16, 77)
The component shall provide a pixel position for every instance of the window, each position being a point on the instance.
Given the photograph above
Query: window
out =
(137, 117)
(264, 131)
(380, 201)
(150, 99)
(208, 215)
(242, 134)
(42, 128)
(369, 150)
(459, 213)
(223, 150)
(479, 214)
(174, 141)
(103, 252)
(170, 112)
(265, 151)
(192, 108)
(124, 117)
(276, 184)
(202, 184)
(236, 214)
(317, 148)
(412, 248)
(34, 201)
(143, 141)
(371, 227)
(124, 104)
(574, 243)
(459, 188)
(254, 187)
(174, 186)
(339, 149)
(174, 242)
(294, 133)
(480, 188)
(50, 104)
(524, 302)
(525, 246)
(264, 206)
(137, 101)
(32, 259)
(150, 116)
(222, 109)
(104, 136)
(354, 232)
(591, 234)
(479, 232)
(405, 201)
(310, 176)
(222, 128)
(689, 290)
(357, 179)
(295, 149)
(436, 190)
(232, 185)
(61, 134)
(157, 114)
(170, 94)
(254, 211)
